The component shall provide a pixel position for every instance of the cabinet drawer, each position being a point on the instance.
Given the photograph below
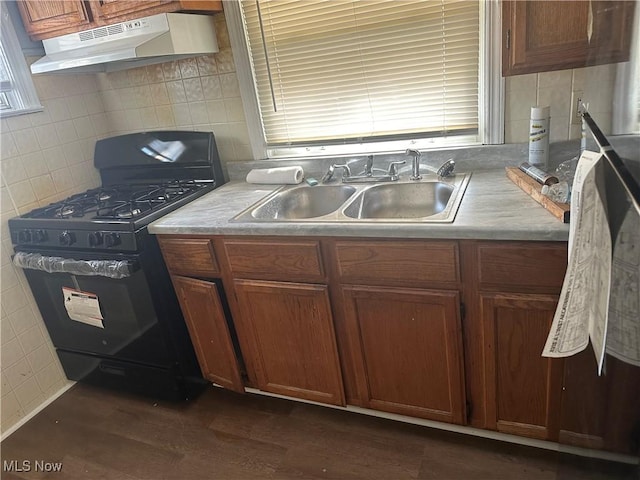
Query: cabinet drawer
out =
(275, 259)
(518, 265)
(189, 256)
(407, 263)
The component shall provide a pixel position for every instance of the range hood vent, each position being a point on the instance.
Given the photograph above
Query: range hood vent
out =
(144, 41)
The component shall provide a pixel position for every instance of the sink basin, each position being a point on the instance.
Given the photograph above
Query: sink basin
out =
(303, 202)
(430, 200)
(401, 201)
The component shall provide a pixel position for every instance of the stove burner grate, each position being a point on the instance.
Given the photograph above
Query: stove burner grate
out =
(118, 202)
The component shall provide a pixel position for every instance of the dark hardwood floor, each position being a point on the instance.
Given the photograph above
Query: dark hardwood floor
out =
(97, 434)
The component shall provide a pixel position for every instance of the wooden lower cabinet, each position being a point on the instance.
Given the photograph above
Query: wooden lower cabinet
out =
(404, 345)
(600, 412)
(523, 389)
(292, 344)
(408, 350)
(206, 320)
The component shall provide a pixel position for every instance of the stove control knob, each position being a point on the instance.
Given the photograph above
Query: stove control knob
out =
(94, 239)
(24, 236)
(111, 239)
(39, 236)
(67, 238)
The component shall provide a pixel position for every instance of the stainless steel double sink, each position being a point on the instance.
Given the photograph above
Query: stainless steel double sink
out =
(430, 200)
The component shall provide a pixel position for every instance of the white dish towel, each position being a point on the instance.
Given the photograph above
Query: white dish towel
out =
(277, 175)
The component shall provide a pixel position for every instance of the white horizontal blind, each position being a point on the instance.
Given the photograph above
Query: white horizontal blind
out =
(341, 70)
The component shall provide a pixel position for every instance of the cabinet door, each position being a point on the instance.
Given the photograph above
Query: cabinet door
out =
(540, 36)
(293, 341)
(209, 331)
(600, 411)
(108, 9)
(523, 388)
(409, 344)
(121, 10)
(45, 19)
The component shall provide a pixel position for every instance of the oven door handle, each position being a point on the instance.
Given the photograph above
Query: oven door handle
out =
(102, 268)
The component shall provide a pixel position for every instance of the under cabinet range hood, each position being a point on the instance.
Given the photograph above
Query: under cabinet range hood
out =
(143, 41)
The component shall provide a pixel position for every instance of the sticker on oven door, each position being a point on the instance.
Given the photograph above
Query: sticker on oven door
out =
(83, 307)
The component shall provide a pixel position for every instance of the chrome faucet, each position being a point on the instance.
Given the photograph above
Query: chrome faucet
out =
(445, 170)
(415, 174)
(368, 167)
(346, 172)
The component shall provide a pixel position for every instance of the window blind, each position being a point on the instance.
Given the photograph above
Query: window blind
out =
(341, 70)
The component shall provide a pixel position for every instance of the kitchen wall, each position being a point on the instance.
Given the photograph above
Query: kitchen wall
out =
(193, 94)
(554, 89)
(47, 156)
(44, 157)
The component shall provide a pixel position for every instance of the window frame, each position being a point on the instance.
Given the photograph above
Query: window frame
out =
(490, 102)
(19, 91)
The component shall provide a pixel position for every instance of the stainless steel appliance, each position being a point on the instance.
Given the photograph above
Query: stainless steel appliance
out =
(98, 276)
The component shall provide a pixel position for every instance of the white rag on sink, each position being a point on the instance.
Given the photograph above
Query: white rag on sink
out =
(278, 175)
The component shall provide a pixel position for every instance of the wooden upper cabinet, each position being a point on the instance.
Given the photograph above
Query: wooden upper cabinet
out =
(45, 19)
(109, 9)
(541, 36)
(121, 10)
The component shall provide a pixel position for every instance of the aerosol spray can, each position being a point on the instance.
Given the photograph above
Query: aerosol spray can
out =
(539, 137)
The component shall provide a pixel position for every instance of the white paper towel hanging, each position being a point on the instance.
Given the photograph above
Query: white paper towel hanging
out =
(277, 175)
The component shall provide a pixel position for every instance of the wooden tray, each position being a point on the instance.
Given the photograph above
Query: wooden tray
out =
(559, 210)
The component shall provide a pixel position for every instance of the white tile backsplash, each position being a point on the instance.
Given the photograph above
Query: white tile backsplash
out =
(207, 65)
(26, 141)
(13, 170)
(193, 89)
(217, 112)
(175, 90)
(13, 299)
(47, 136)
(66, 131)
(41, 357)
(77, 106)
(43, 186)
(555, 89)
(22, 193)
(189, 68)
(8, 146)
(31, 339)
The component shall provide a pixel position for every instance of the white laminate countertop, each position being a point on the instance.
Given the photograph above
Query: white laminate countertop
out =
(492, 208)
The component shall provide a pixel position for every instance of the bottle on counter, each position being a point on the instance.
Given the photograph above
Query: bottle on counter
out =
(539, 137)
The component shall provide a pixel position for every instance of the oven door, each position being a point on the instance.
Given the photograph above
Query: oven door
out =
(73, 290)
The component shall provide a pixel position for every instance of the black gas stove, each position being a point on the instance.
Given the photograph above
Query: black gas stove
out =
(98, 276)
(139, 185)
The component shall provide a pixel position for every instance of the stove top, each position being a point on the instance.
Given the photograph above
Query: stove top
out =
(118, 203)
(111, 218)
(144, 176)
